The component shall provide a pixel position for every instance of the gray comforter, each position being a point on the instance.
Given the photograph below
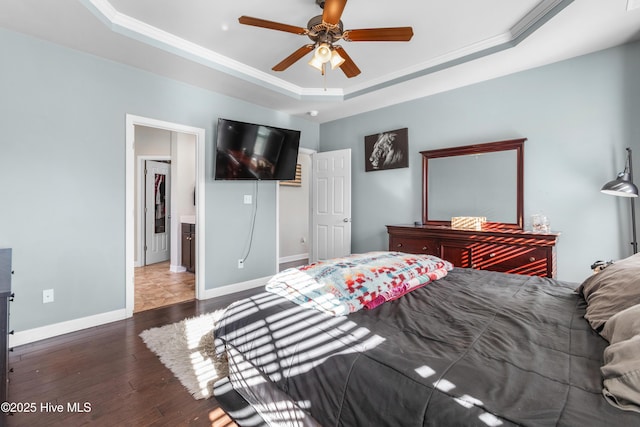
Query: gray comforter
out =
(474, 348)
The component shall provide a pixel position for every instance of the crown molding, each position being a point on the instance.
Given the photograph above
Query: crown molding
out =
(148, 34)
(153, 36)
(533, 20)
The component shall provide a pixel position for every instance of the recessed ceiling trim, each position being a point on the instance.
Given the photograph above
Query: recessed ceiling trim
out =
(447, 60)
(538, 16)
(320, 93)
(145, 33)
(524, 28)
(426, 71)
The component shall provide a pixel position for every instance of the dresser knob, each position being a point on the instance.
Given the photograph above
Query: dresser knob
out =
(531, 259)
(424, 248)
(399, 245)
(492, 255)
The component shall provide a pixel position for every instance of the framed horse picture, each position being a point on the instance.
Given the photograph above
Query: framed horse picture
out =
(387, 150)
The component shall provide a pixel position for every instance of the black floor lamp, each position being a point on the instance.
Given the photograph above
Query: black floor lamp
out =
(623, 186)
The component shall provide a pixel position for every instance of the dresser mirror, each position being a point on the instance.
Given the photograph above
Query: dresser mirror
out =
(483, 180)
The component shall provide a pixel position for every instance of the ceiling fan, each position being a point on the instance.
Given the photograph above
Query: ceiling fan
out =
(326, 29)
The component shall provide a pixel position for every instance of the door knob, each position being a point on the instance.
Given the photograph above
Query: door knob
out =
(346, 220)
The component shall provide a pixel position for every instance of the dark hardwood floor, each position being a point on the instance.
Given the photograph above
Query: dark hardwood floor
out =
(110, 373)
(297, 263)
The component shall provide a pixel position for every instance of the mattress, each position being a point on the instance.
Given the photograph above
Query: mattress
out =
(473, 348)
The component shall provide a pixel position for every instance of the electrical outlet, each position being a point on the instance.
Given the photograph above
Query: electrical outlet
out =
(248, 199)
(47, 296)
(240, 263)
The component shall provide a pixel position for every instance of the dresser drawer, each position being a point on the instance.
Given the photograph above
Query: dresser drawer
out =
(510, 259)
(503, 250)
(414, 246)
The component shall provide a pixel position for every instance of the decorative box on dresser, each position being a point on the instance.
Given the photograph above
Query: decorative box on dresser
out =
(5, 298)
(504, 250)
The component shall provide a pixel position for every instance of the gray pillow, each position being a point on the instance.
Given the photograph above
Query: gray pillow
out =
(621, 367)
(621, 374)
(623, 325)
(612, 290)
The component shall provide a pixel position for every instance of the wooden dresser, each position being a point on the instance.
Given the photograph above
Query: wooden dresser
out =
(5, 297)
(504, 250)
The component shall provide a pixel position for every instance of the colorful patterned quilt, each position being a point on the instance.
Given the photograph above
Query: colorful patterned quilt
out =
(345, 285)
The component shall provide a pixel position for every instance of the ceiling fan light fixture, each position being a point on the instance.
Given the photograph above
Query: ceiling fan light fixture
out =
(324, 30)
(336, 60)
(323, 52)
(316, 63)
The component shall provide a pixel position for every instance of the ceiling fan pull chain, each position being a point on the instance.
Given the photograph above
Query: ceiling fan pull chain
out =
(324, 77)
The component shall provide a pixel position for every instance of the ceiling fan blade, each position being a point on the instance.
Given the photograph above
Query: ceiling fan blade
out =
(395, 34)
(332, 11)
(257, 22)
(348, 67)
(291, 59)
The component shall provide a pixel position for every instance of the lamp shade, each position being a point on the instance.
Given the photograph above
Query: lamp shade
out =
(323, 52)
(621, 186)
(316, 63)
(336, 60)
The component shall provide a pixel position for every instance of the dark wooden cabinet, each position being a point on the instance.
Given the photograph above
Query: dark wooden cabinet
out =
(5, 298)
(189, 247)
(503, 250)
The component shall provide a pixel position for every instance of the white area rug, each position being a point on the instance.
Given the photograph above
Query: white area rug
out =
(187, 349)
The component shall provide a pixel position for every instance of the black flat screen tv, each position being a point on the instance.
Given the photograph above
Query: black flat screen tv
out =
(252, 151)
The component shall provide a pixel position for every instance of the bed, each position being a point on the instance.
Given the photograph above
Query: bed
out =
(467, 348)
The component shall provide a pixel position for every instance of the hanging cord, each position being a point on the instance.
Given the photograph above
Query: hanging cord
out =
(253, 223)
(324, 76)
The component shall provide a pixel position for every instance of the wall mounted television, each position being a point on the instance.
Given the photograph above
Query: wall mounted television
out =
(252, 151)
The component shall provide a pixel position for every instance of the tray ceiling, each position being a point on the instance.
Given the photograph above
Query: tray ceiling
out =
(455, 43)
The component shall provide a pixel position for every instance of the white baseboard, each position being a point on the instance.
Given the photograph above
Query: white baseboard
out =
(49, 331)
(236, 287)
(291, 258)
(177, 269)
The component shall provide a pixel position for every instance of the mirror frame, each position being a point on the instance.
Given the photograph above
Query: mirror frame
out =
(489, 147)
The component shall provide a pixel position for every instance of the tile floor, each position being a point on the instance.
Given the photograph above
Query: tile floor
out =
(156, 286)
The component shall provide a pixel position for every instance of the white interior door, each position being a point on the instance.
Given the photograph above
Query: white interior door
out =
(157, 218)
(331, 205)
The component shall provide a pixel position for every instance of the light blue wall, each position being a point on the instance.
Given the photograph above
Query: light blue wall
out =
(62, 165)
(578, 116)
(62, 177)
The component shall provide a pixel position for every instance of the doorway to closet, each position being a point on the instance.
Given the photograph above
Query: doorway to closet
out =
(293, 215)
